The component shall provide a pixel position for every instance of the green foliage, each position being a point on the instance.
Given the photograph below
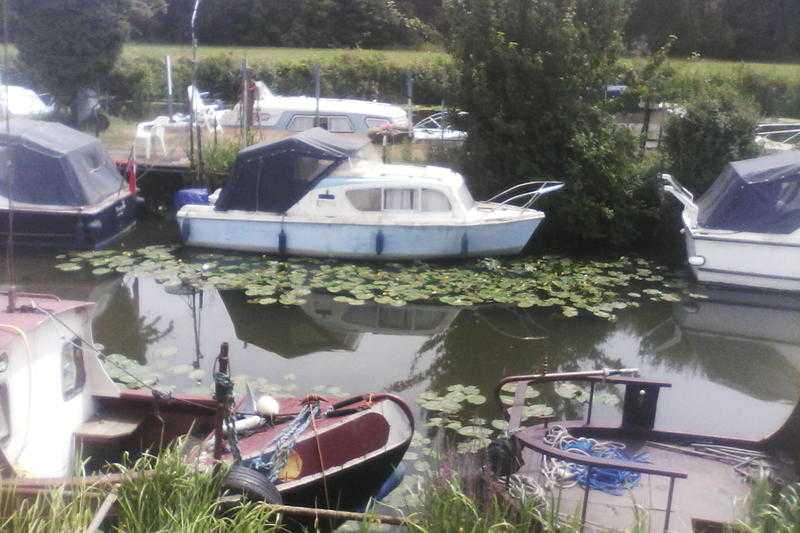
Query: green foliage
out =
(717, 127)
(68, 45)
(771, 509)
(314, 23)
(742, 29)
(136, 82)
(531, 77)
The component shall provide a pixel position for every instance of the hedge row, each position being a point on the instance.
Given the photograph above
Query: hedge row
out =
(134, 84)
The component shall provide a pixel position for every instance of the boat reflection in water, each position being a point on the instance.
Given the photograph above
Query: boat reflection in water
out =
(746, 340)
(323, 324)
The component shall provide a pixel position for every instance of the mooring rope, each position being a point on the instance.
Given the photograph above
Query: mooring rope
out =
(272, 464)
(565, 474)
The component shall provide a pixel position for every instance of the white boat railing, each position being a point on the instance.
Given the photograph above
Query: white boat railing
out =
(680, 192)
(530, 196)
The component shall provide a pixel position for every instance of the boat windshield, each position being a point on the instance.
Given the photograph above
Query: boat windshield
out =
(465, 197)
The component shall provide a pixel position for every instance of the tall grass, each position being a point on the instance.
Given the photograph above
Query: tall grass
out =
(173, 497)
(771, 511)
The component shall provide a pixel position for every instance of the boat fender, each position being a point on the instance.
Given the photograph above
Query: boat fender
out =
(391, 483)
(251, 484)
(267, 406)
(245, 424)
(464, 244)
(379, 242)
(349, 401)
(185, 230)
(504, 457)
(282, 242)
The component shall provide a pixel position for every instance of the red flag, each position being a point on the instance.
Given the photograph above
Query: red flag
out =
(130, 171)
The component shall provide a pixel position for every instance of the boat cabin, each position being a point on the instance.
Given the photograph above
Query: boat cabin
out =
(298, 113)
(65, 190)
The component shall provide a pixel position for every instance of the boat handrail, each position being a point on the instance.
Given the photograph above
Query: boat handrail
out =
(543, 187)
(682, 194)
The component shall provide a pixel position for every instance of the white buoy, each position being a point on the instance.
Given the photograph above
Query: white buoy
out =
(267, 406)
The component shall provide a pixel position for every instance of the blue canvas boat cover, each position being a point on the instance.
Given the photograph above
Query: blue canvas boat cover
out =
(760, 195)
(54, 166)
(273, 176)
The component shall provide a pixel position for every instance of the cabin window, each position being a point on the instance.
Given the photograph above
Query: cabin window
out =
(339, 125)
(365, 199)
(433, 201)
(73, 373)
(301, 123)
(5, 417)
(399, 199)
(377, 123)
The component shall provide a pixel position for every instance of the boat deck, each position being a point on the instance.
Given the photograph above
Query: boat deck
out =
(713, 491)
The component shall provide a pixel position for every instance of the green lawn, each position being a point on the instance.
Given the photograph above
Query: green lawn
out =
(716, 68)
(274, 55)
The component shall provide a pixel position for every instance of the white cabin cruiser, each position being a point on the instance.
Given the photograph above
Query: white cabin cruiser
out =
(745, 230)
(337, 115)
(311, 195)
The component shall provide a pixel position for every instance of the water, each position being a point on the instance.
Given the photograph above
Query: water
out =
(733, 360)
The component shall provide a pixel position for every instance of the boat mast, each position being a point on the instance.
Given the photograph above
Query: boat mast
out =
(195, 127)
(12, 289)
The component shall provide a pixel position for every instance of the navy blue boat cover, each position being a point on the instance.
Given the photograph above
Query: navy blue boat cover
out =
(54, 166)
(760, 195)
(273, 176)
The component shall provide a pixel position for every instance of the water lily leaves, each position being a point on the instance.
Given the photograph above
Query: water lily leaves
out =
(569, 311)
(571, 391)
(548, 281)
(474, 431)
(502, 425)
(698, 296)
(69, 267)
(606, 398)
(670, 297)
(506, 400)
(476, 399)
(537, 410)
(454, 425)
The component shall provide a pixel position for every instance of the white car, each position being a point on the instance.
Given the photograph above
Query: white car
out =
(23, 102)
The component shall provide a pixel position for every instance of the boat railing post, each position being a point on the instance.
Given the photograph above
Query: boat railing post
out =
(668, 510)
(586, 490)
(591, 402)
(221, 395)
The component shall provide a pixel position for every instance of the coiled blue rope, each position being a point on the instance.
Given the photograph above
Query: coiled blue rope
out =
(609, 480)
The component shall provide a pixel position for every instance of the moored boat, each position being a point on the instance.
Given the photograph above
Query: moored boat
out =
(610, 474)
(333, 450)
(66, 191)
(312, 195)
(745, 230)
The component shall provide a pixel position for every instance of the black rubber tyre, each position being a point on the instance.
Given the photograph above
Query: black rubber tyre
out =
(504, 459)
(251, 484)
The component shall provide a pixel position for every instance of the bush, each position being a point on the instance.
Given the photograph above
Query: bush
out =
(717, 126)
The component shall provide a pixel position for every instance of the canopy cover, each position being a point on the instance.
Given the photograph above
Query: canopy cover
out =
(273, 176)
(760, 195)
(54, 165)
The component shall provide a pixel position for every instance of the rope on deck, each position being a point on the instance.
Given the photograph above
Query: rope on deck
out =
(609, 480)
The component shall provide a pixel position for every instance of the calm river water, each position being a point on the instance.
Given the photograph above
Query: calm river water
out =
(733, 359)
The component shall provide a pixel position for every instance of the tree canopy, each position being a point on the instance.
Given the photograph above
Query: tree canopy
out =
(68, 45)
(532, 74)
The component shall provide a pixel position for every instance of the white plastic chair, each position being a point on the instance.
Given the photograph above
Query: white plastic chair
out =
(206, 114)
(145, 131)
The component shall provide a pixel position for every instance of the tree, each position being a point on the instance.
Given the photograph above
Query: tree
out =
(717, 126)
(532, 74)
(69, 45)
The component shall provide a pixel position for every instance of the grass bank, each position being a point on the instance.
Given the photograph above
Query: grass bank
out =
(267, 56)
